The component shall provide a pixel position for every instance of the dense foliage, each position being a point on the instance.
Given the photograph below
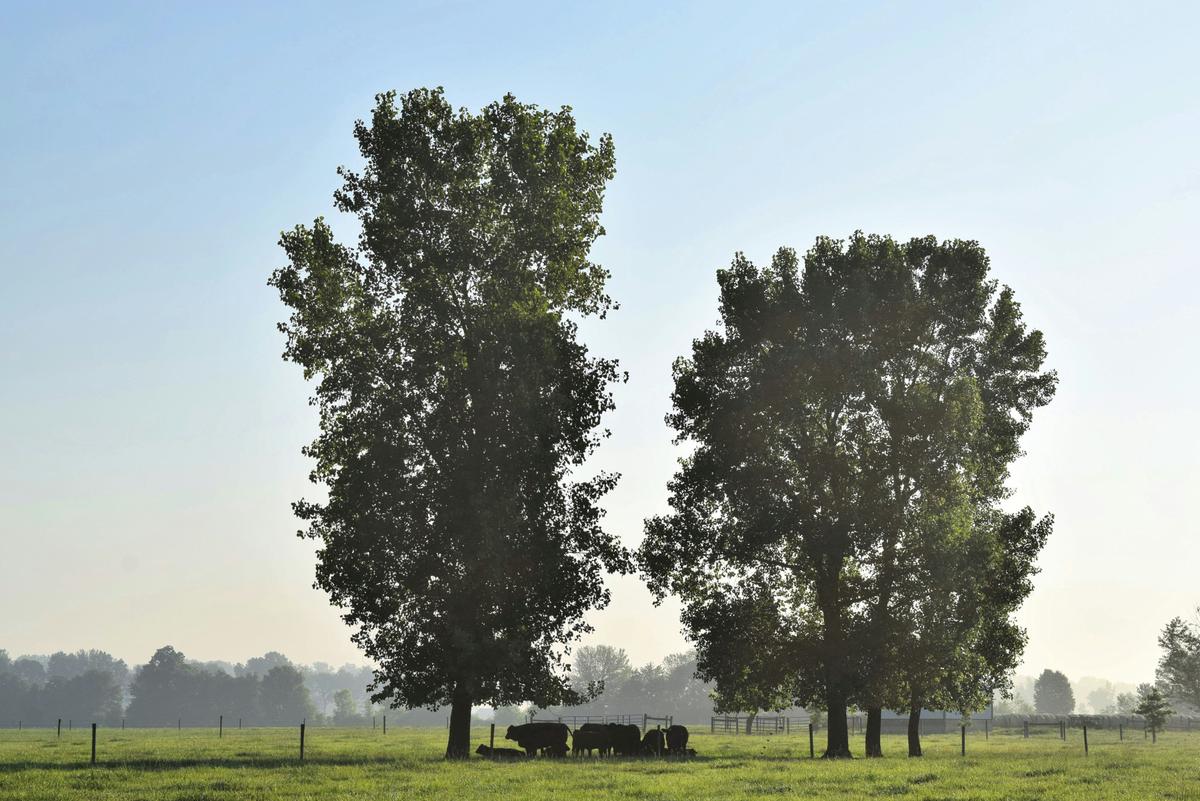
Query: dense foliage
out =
(457, 404)
(853, 424)
(1052, 694)
(666, 688)
(93, 686)
(1179, 665)
(1153, 706)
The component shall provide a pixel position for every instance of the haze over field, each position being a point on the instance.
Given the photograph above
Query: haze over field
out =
(151, 432)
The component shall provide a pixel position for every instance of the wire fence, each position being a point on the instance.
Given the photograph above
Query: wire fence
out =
(81, 743)
(759, 724)
(642, 719)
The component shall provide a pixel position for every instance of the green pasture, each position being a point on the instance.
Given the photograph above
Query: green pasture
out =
(406, 764)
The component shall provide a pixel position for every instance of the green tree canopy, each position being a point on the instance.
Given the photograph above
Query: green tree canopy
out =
(840, 416)
(283, 699)
(1153, 706)
(1179, 665)
(1052, 694)
(602, 667)
(457, 404)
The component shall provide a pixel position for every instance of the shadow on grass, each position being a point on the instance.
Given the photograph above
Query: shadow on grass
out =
(292, 762)
(199, 762)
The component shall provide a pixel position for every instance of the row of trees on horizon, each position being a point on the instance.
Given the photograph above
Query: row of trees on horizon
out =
(169, 689)
(94, 686)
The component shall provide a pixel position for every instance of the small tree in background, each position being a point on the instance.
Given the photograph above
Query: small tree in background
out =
(345, 711)
(596, 668)
(1013, 705)
(1179, 666)
(1153, 706)
(1125, 703)
(283, 698)
(1101, 699)
(1052, 694)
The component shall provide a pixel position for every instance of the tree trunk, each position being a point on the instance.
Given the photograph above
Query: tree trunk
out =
(459, 743)
(750, 722)
(874, 743)
(837, 735)
(914, 728)
(837, 742)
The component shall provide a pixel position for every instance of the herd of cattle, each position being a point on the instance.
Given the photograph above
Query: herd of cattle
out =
(604, 739)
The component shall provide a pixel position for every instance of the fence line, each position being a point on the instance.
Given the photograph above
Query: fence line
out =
(643, 720)
(758, 724)
(665, 722)
(1185, 723)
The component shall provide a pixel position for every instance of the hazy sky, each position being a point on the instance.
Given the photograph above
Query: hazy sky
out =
(150, 155)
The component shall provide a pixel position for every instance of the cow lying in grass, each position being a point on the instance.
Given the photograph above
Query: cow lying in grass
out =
(501, 753)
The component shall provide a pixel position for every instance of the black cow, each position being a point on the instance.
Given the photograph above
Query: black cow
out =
(589, 740)
(654, 742)
(625, 739)
(677, 739)
(501, 753)
(545, 736)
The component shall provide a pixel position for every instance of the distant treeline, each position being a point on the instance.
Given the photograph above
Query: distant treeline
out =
(94, 686)
(667, 688)
(169, 690)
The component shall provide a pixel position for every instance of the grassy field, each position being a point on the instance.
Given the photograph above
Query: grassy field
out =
(405, 764)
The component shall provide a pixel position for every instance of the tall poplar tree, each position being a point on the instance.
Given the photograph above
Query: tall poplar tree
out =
(836, 414)
(456, 402)
(956, 378)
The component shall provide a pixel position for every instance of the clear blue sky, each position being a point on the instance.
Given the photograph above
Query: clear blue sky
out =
(151, 153)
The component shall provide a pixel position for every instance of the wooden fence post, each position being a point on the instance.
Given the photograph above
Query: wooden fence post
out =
(1085, 746)
(964, 740)
(301, 742)
(220, 726)
(492, 741)
(93, 743)
(60, 728)
(986, 729)
(811, 748)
